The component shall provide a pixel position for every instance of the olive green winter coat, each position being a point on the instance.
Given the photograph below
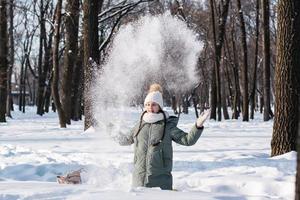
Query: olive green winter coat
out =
(153, 155)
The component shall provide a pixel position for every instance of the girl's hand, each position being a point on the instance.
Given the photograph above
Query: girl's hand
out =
(202, 118)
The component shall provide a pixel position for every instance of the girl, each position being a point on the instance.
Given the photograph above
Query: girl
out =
(152, 138)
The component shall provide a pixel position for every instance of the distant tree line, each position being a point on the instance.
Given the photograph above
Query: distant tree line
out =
(52, 50)
(47, 51)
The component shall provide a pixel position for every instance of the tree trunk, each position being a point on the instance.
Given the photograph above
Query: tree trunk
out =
(213, 91)
(195, 103)
(47, 95)
(174, 104)
(77, 86)
(261, 99)
(3, 60)
(223, 99)
(236, 99)
(218, 52)
(297, 196)
(203, 93)
(70, 55)
(213, 95)
(295, 7)
(9, 103)
(91, 55)
(227, 73)
(253, 91)
(55, 93)
(21, 83)
(47, 66)
(244, 65)
(185, 104)
(24, 86)
(41, 78)
(218, 43)
(266, 52)
(287, 78)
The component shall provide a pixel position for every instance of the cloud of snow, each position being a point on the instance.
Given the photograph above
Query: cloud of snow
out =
(153, 49)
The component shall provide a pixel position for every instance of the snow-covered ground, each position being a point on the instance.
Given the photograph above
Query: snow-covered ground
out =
(230, 161)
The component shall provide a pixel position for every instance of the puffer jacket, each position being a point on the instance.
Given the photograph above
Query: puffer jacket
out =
(153, 155)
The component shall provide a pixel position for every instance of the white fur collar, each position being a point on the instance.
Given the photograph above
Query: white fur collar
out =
(154, 117)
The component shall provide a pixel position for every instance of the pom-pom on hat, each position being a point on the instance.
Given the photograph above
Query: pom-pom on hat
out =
(155, 87)
(155, 95)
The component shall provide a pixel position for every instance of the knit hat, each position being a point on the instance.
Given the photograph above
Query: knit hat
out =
(155, 95)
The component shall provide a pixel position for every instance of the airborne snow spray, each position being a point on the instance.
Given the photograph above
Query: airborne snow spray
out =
(153, 49)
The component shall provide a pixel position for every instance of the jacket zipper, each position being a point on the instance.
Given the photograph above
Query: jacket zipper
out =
(148, 146)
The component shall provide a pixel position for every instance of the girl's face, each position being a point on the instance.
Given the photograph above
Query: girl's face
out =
(152, 107)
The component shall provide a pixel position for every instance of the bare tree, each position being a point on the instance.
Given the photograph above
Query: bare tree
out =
(223, 89)
(29, 33)
(41, 70)
(237, 92)
(41, 82)
(91, 54)
(254, 84)
(56, 98)
(218, 40)
(244, 68)
(294, 8)
(266, 53)
(47, 66)
(287, 79)
(3, 59)
(218, 54)
(71, 46)
(9, 103)
(213, 91)
(77, 88)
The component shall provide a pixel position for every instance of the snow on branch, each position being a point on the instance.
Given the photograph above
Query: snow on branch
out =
(119, 8)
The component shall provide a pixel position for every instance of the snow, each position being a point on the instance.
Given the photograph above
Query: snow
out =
(154, 49)
(231, 160)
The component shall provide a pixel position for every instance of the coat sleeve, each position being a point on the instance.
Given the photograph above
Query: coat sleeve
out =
(126, 140)
(187, 139)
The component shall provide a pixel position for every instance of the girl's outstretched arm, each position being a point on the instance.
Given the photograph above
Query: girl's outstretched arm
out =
(187, 139)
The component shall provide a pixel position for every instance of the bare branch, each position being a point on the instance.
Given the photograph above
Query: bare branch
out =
(122, 8)
(105, 43)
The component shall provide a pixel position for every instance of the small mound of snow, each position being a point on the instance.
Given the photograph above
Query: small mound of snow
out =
(288, 156)
(11, 150)
(90, 130)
